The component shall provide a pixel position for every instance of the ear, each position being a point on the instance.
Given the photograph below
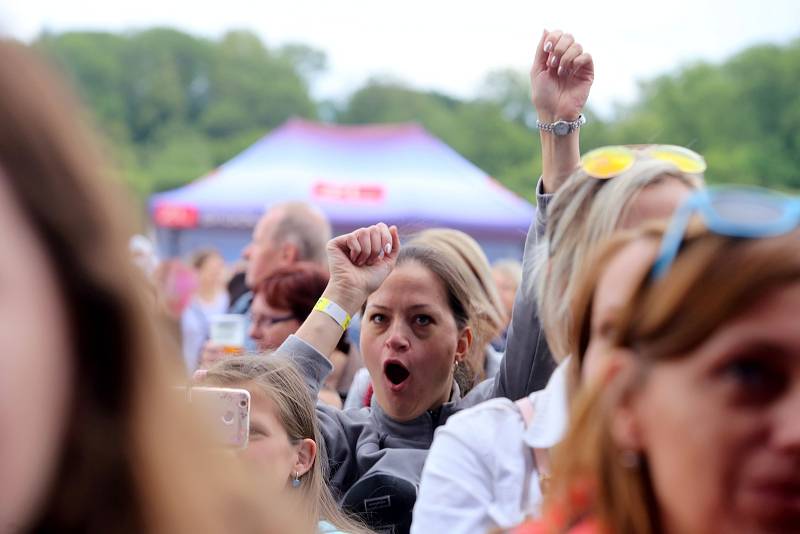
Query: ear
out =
(626, 427)
(306, 453)
(464, 343)
(289, 252)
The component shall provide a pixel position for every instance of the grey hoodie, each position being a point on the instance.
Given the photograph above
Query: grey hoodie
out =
(365, 441)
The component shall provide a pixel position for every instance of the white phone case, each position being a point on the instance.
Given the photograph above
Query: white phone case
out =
(227, 410)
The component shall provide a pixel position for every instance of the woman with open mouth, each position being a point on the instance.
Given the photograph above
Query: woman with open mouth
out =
(417, 331)
(415, 335)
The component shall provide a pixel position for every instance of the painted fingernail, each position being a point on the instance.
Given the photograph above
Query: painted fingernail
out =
(553, 61)
(388, 248)
(548, 46)
(561, 71)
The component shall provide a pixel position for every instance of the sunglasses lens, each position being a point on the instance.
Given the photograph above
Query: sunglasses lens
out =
(748, 208)
(686, 160)
(607, 162)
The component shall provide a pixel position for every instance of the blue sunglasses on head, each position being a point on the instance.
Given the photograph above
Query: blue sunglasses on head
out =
(746, 212)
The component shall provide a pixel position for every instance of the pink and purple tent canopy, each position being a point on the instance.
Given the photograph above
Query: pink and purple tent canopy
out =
(358, 175)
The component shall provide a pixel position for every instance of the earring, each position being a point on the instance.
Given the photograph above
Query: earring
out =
(296, 481)
(629, 459)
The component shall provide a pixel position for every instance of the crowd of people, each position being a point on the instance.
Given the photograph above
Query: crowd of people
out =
(638, 372)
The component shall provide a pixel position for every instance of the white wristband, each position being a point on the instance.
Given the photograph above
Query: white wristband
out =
(334, 311)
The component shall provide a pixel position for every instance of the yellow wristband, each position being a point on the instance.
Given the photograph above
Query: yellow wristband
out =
(334, 311)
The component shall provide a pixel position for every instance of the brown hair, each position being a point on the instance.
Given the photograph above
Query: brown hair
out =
(457, 291)
(463, 253)
(278, 380)
(200, 257)
(297, 288)
(714, 279)
(121, 468)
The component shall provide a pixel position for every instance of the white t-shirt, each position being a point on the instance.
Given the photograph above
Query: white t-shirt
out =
(195, 322)
(480, 473)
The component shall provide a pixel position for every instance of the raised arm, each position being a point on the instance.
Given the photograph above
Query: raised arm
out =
(359, 262)
(561, 78)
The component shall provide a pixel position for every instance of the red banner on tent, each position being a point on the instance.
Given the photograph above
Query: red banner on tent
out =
(358, 193)
(175, 216)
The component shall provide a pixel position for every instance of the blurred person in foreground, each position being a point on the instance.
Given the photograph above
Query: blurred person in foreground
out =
(492, 448)
(494, 445)
(210, 298)
(92, 438)
(692, 424)
(285, 440)
(507, 275)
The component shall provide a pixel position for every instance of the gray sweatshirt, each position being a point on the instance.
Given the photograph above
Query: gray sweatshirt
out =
(362, 442)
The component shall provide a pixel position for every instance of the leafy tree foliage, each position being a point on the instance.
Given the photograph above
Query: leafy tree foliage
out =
(173, 106)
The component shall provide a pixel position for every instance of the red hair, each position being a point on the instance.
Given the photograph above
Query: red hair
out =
(296, 288)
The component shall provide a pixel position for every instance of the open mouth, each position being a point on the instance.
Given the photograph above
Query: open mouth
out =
(396, 372)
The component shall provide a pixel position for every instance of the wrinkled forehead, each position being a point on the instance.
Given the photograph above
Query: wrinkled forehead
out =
(410, 284)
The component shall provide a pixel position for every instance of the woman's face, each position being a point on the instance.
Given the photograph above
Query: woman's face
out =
(657, 201)
(269, 327)
(615, 287)
(35, 368)
(213, 270)
(720, 427)
(507, 289)
(410, 342)
(269, 448)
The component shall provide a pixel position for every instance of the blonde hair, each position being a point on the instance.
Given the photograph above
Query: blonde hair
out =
(277, 379)
(465, 255)
(712, 280)
(584, 213)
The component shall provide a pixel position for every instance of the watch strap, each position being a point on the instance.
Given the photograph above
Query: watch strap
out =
(572, 125)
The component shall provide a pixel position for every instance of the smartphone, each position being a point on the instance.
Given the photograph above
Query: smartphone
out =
(226, 410)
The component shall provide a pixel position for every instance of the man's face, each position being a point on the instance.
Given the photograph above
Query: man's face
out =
(263, 254)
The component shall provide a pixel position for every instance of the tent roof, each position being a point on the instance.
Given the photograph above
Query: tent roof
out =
(358, 175)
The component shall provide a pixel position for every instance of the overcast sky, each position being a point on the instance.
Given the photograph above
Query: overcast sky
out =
(448, 45)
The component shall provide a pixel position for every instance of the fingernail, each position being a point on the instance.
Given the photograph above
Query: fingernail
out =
(561, 71)
(388, 248)
(553, 61)
(548, 46)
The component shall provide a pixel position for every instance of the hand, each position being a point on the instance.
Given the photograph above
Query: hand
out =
(210, 354)
(359, 262)
(561, 77)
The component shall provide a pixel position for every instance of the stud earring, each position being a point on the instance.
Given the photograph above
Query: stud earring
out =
(296, 481)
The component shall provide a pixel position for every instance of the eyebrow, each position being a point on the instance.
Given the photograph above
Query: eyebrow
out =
(412, 307)
(751, 344)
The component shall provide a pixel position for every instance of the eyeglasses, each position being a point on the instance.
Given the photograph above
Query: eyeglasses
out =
(744, 212)
(609, 161)
(262, 321)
